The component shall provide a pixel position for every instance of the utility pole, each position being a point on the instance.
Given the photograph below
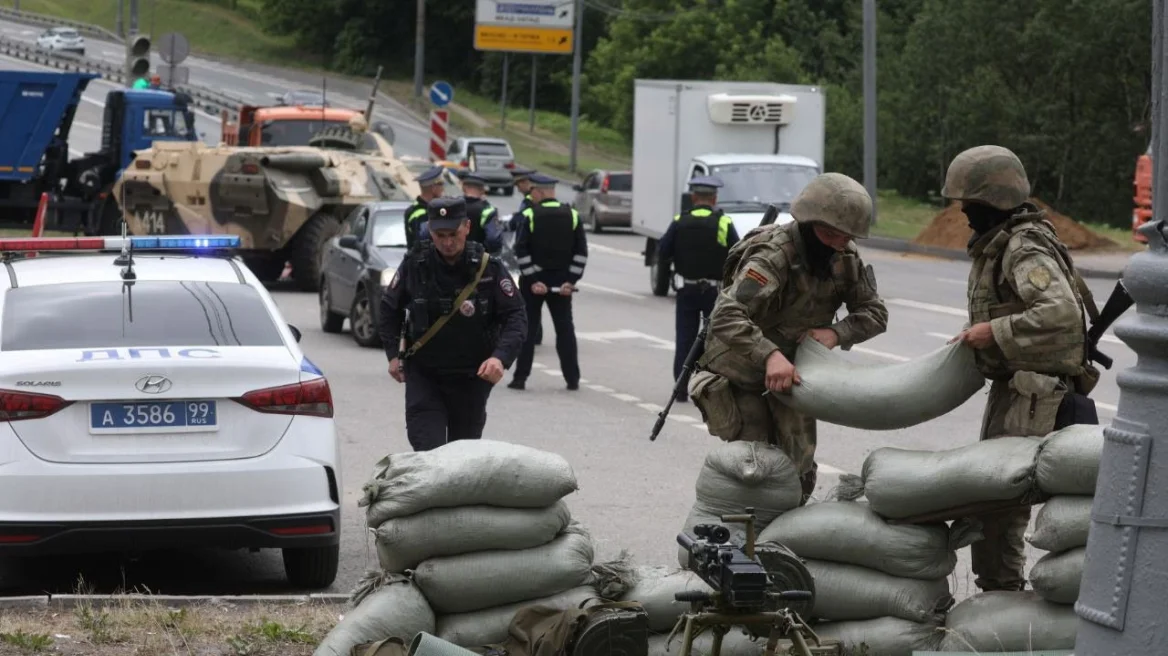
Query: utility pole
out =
(419, 48)
(1121, 596)
(577, 47)
(120, 27)
(133, 16)
(870, 102)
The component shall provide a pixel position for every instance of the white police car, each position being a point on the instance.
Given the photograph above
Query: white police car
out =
(162, 404)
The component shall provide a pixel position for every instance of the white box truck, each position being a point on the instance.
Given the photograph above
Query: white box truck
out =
(764, 140)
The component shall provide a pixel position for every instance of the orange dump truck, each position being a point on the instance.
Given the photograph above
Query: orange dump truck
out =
(1143, 194)
(281, 125)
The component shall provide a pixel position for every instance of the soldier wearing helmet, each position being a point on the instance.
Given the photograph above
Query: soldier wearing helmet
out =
(781, 285)
(1027, 329)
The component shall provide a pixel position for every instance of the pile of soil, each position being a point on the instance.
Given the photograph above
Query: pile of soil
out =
(950, 229)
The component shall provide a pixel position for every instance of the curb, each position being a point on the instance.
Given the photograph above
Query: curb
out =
(71, 601)
(903, 246)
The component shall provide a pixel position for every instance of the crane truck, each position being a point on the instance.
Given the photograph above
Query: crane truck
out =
(37, 111)
(764, 140)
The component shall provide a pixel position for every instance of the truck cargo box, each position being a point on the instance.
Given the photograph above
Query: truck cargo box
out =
(36, 113)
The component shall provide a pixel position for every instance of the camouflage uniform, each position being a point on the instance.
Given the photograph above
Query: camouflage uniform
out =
(1022, 283)
(770, 298)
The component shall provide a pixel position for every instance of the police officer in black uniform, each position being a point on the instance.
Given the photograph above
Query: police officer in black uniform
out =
(466, 325)
(485, 225)
(552, 251)
(432, 187)
(697, 242)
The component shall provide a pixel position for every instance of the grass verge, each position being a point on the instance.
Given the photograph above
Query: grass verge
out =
(133, 627)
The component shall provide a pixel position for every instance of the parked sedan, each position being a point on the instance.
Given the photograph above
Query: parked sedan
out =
(62, 39)
(357, 265)
(605, 198)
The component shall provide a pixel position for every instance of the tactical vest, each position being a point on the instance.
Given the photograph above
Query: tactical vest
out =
(700, 243)
(553, 234)
(991, 296)
(468, 337)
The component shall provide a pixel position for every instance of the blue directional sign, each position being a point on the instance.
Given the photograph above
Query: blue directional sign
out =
(441, 94)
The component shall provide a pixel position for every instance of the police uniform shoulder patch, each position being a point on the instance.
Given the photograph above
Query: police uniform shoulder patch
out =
(506, 285)
(1039, 276)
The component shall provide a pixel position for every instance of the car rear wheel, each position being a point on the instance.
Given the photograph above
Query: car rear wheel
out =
(312, 567)
(509, 191)
(330, 321)
(595, 223)
(361, 320)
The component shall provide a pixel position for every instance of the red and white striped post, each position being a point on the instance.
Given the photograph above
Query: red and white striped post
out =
(438, 123)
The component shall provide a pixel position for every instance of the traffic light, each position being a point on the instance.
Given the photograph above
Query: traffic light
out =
(137, 58)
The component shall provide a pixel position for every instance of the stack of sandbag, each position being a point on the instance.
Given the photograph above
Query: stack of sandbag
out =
(882, 584)
(1068, 466)
(738, 475)
(999, 621)
(482, 529)
(385, 605)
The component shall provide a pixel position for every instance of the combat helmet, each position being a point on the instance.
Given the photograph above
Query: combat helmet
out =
(835, 200)
(988, 174)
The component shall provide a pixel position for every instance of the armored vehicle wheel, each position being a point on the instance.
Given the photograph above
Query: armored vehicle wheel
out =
(361, 322)
(330, 321)
(306, 247)
(312, 567)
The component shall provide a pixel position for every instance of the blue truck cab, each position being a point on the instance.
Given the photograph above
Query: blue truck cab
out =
(37, 110)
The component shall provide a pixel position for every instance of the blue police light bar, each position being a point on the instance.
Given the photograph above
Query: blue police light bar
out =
(97, 244)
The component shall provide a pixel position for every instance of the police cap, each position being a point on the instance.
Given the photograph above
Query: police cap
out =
(707, 184)
(432, 175)
(473, 179)
(446, 213)
(542, 180)
(521, 173)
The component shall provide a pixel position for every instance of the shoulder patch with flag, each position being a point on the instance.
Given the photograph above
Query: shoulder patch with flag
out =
(754, 275)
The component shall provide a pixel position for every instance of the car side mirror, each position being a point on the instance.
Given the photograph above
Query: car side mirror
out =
(295, 332)
(578, 187)
(349, 241)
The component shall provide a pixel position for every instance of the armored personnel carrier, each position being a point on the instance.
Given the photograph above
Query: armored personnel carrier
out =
(285, 203)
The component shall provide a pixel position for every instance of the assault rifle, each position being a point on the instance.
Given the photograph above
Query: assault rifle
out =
(771, 215)
(1116, 305)
(742, 590)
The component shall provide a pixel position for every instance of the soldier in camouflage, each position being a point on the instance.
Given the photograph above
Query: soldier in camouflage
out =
(1026, 326)
(780, 286)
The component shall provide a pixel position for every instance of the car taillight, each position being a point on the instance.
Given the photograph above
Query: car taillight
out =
(509, 165)
(311, 398)
(604, 186)
(15, 406)
(464, 163)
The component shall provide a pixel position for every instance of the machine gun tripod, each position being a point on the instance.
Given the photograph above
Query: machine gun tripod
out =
(742, 595)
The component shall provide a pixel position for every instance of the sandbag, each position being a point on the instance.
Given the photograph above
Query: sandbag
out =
(873, 396)
(1068, 462)
(737, 475)
(883, 636)
(386, 607)
(403, 542)
(900, 483)
(490, 625)
(1009, 621)
(654, 590)
(734, 643)
(1062, 523)
(850, 532)
(465, 473)
(848, 592)
(473, 581)
(1056, 576)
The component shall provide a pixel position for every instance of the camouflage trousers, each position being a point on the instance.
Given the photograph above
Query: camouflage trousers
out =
(999, 560)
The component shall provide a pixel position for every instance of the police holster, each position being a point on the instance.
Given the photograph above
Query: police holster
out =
(437, 325)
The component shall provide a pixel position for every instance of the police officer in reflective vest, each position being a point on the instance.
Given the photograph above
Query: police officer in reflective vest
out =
(552, 251)
(522, 177)
(485, 227)
(697, 242)
(432, 187)
(466, 325)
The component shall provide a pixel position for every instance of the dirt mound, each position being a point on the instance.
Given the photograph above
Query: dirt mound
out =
(950, 229)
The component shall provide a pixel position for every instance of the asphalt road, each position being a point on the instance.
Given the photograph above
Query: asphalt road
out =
(634, 494)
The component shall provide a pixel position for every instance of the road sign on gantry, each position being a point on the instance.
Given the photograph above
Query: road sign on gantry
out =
(531, 26)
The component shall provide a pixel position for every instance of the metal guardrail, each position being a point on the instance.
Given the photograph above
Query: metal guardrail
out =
(89, 29)
(212, 102)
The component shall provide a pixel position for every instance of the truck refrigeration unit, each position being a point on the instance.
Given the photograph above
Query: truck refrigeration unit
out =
(764, 140)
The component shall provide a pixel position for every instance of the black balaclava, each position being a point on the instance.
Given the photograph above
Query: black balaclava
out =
(819, 254)
(983, 218)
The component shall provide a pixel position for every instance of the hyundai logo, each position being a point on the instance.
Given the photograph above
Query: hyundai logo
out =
(153, 384)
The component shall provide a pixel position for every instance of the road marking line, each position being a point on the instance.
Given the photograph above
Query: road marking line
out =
(601, 388)
(1106, 406)
(552, 372)
(954, 281)
(685, 419)
(651, 407)
(1105, 338)
(601, 248)
(627, 398)
(929, 307)
(828, 469)
(881, 354)
(610, 290)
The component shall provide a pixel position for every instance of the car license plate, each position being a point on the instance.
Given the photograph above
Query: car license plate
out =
(176, 416)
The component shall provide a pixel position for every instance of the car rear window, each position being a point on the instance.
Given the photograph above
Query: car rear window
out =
(490, 149)
(145, 314)
(620, 182)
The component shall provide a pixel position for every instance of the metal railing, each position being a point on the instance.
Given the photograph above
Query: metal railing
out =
(89, 29)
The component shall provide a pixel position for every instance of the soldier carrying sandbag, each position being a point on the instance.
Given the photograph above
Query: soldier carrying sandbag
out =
(781, 285)
(1026, 326)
